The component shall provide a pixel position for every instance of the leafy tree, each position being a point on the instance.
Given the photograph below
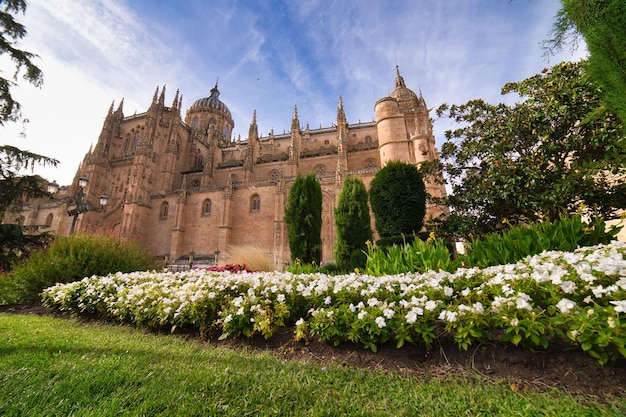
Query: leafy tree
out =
(398, 200)
(303, 217)
(352, 220)
(11, 31)
(602, 23)
(558, 151)
(15, 188)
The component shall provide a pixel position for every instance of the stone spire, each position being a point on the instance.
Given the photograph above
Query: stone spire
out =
(295, 122)
(399, 78)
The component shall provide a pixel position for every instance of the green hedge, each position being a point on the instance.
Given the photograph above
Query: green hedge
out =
(70, 259)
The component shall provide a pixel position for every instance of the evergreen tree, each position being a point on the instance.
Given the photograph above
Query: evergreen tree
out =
(303, 217)
(398, 199)
(352, 220)
(11, 31)
(14, 187)
(602, 23)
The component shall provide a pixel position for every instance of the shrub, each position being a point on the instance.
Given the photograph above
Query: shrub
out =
(521, 241)
(303, 217)
(352, 218)
(72, 258)
(398, 199)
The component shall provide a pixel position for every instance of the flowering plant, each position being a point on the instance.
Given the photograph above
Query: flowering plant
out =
(579, 297)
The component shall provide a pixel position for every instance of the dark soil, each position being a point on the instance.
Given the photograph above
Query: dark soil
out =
(555, 368)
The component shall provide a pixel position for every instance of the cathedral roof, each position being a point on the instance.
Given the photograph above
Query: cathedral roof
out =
(211, 104)
(402, 93)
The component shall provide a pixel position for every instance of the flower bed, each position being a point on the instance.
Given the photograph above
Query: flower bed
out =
(578, 296)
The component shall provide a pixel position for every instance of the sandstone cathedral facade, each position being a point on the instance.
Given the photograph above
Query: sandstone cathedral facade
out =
(183, 186)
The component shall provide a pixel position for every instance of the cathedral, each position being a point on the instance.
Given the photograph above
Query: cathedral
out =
(186, 189)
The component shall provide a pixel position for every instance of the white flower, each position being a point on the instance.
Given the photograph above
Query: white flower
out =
(620, 306)
(450, 316)
(328, 300)
(280, 298)
(380, 321)
(373, 302)
(388, 313)
(362, 314)
(300, 322)
(411, 317)
(565, 305)
(522, 302)
(568, 287)
(430, 305)
(514, 322)
(448, 291)
(228, 318)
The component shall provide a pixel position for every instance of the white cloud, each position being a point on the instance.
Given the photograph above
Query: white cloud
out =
(269, 57)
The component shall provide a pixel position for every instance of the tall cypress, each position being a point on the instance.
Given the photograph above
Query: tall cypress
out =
(352, 221)
(303, 217)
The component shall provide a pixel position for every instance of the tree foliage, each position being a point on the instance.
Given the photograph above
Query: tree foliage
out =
(303, 217)
(11, 31)
(558, 151)
(14, 189)
(398, 200)
(602, 23)
(352, 220)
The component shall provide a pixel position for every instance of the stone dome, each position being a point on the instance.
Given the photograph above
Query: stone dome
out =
(211, 104)
(405, 96)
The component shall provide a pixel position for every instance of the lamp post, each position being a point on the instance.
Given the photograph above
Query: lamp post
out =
(82, 205)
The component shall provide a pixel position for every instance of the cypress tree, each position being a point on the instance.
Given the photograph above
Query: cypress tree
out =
(352, 221)
(303, 217)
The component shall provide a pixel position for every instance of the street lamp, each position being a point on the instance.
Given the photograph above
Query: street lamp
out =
(82, 205)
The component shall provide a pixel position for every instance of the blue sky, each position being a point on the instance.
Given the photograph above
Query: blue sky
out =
(268, 56)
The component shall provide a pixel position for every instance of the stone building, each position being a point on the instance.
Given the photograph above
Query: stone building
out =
(184, 185)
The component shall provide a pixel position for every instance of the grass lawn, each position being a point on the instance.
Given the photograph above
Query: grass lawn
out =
(60, 367)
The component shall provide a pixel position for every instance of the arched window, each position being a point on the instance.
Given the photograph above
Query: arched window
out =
(127, 144)
(255, 203)
(136, 141)
(164, 211)
(206, 207)
(198, 160)
(194, 123)
(49, 220)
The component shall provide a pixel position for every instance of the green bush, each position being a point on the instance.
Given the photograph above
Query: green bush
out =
(352, 220)
(303, 218)
(521, 241)
(398, 200)
(70, 259)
